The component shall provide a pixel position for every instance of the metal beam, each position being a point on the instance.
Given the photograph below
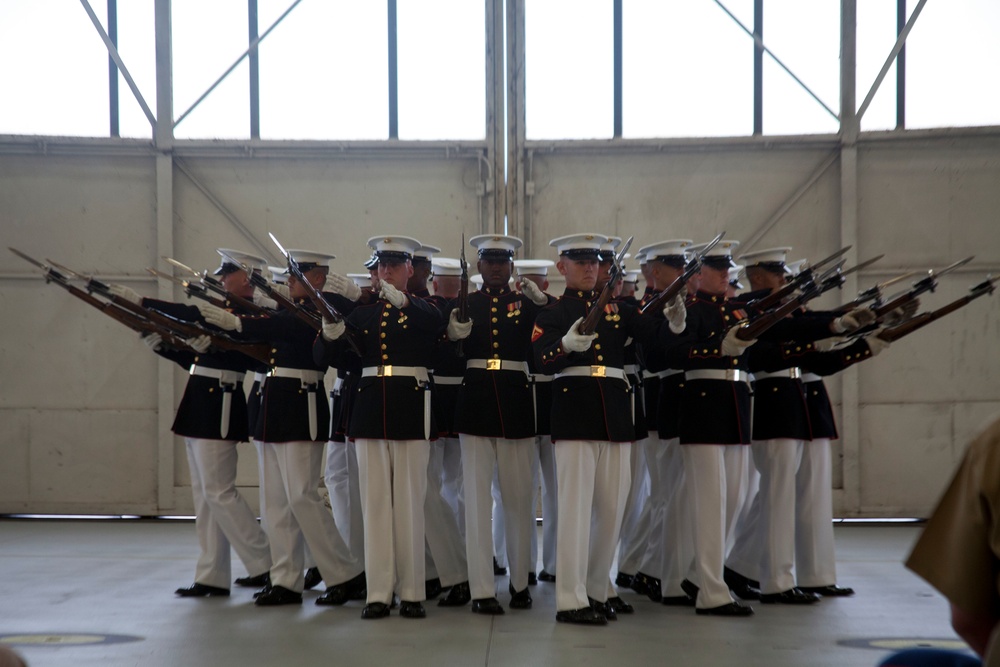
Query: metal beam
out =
(897, 47)
(617, 92)
(758, 67)
(254, 70)
(115, 126)
(252, 47)
(113, 52)
(760, 43)
(393, 71)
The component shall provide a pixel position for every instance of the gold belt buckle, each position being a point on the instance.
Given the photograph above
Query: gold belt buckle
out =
(732, 375)
(795, 373)
(385, 371)
(492, 364)
(598, 371)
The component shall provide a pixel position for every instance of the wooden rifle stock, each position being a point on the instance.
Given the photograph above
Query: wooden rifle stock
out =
(658, 302)
(284, 302)
(916, 322)
(589, 324)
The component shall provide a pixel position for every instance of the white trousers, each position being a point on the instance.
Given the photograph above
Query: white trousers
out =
(593, 481)
(499, 530)
(444, 540)
(511, 460)
(716, 475)
(452, 487)
(637, 519)
(550, 501)
(778, 462)
(393, 477)
(672, 537)
(222, 517)
(815, 557)
(341, 477)
(296, 515)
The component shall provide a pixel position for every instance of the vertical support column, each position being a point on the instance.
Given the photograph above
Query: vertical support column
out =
(617, 22)
(514, 48)
(850, 428)
(163, 138)
(901, 68)
(115, 130)
(758, 67)
(393, 72)
(491, 168)
(254, 60)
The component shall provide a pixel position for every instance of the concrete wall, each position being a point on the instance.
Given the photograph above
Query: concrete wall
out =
(79, 406)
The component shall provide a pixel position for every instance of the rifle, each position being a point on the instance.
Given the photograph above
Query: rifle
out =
(216, 286)
(191, 289)
(926, 284)
(129, 319)
(873, 293)
(673, 289)
(891, 334)
(837, 279)
(589, 324)
(805, 277)
(258, 351)
(323, 307)
(463, 295)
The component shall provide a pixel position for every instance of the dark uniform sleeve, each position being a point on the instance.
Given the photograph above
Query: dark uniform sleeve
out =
(546, 342)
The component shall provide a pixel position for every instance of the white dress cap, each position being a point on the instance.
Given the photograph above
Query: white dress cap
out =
(496, 245)
(734, 276)
(608, 247)
(235, 260)
(307, 259)
(674, 251)
(446, 266)
(477, 280)
(579, 246)
(362, 280)
(795, 268)
(774, 259)
(401, 247)
(641, 256)
(533, 267)
(425, 253)
(279, 274)
(721, 256)
(632, 276)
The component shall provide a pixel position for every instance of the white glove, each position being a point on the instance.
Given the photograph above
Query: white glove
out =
(392, 295)
(342, 285)
(876, 344)
(733, 346)
(218, 317)
(530, 290)
(126, 293)
(153, 341)
(199, 344)
(458, 330)
(828, 344)
(574, 341)
(263, 300)
(333, 330)
(852, 321)
(676, 314)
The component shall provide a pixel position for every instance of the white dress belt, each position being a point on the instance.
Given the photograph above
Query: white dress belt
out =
(790, 373)
(542, 378)
(497, 365)
(592, 372)
(223, 376)
(811, 377)
(727, 374)
(646, 375)
(632, 369)
(448, 379)
(668, 373)
(418, 372)
(305, 375)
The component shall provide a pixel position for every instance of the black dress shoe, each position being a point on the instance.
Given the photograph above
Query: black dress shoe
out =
(357, 588)
(375, 610)
(432, 588)
(412, 610)
(254, 582)
(742, 587)
(603, 608)
(833, 590)
(585, 616)
(791, 596)
(197, 590)
(313, 577)
(458, 596)
(647, 585)
(545, 576)
(690, 589)
(731, 609)
(620, 606)
(340, 593)
(678, 601)
(276, 596)
(532, 579)
(519, 599)
(267, 587)
(497, 570)
(488, 606)
(623, 580)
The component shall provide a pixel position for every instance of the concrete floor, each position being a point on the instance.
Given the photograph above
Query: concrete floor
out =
(101, 593)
